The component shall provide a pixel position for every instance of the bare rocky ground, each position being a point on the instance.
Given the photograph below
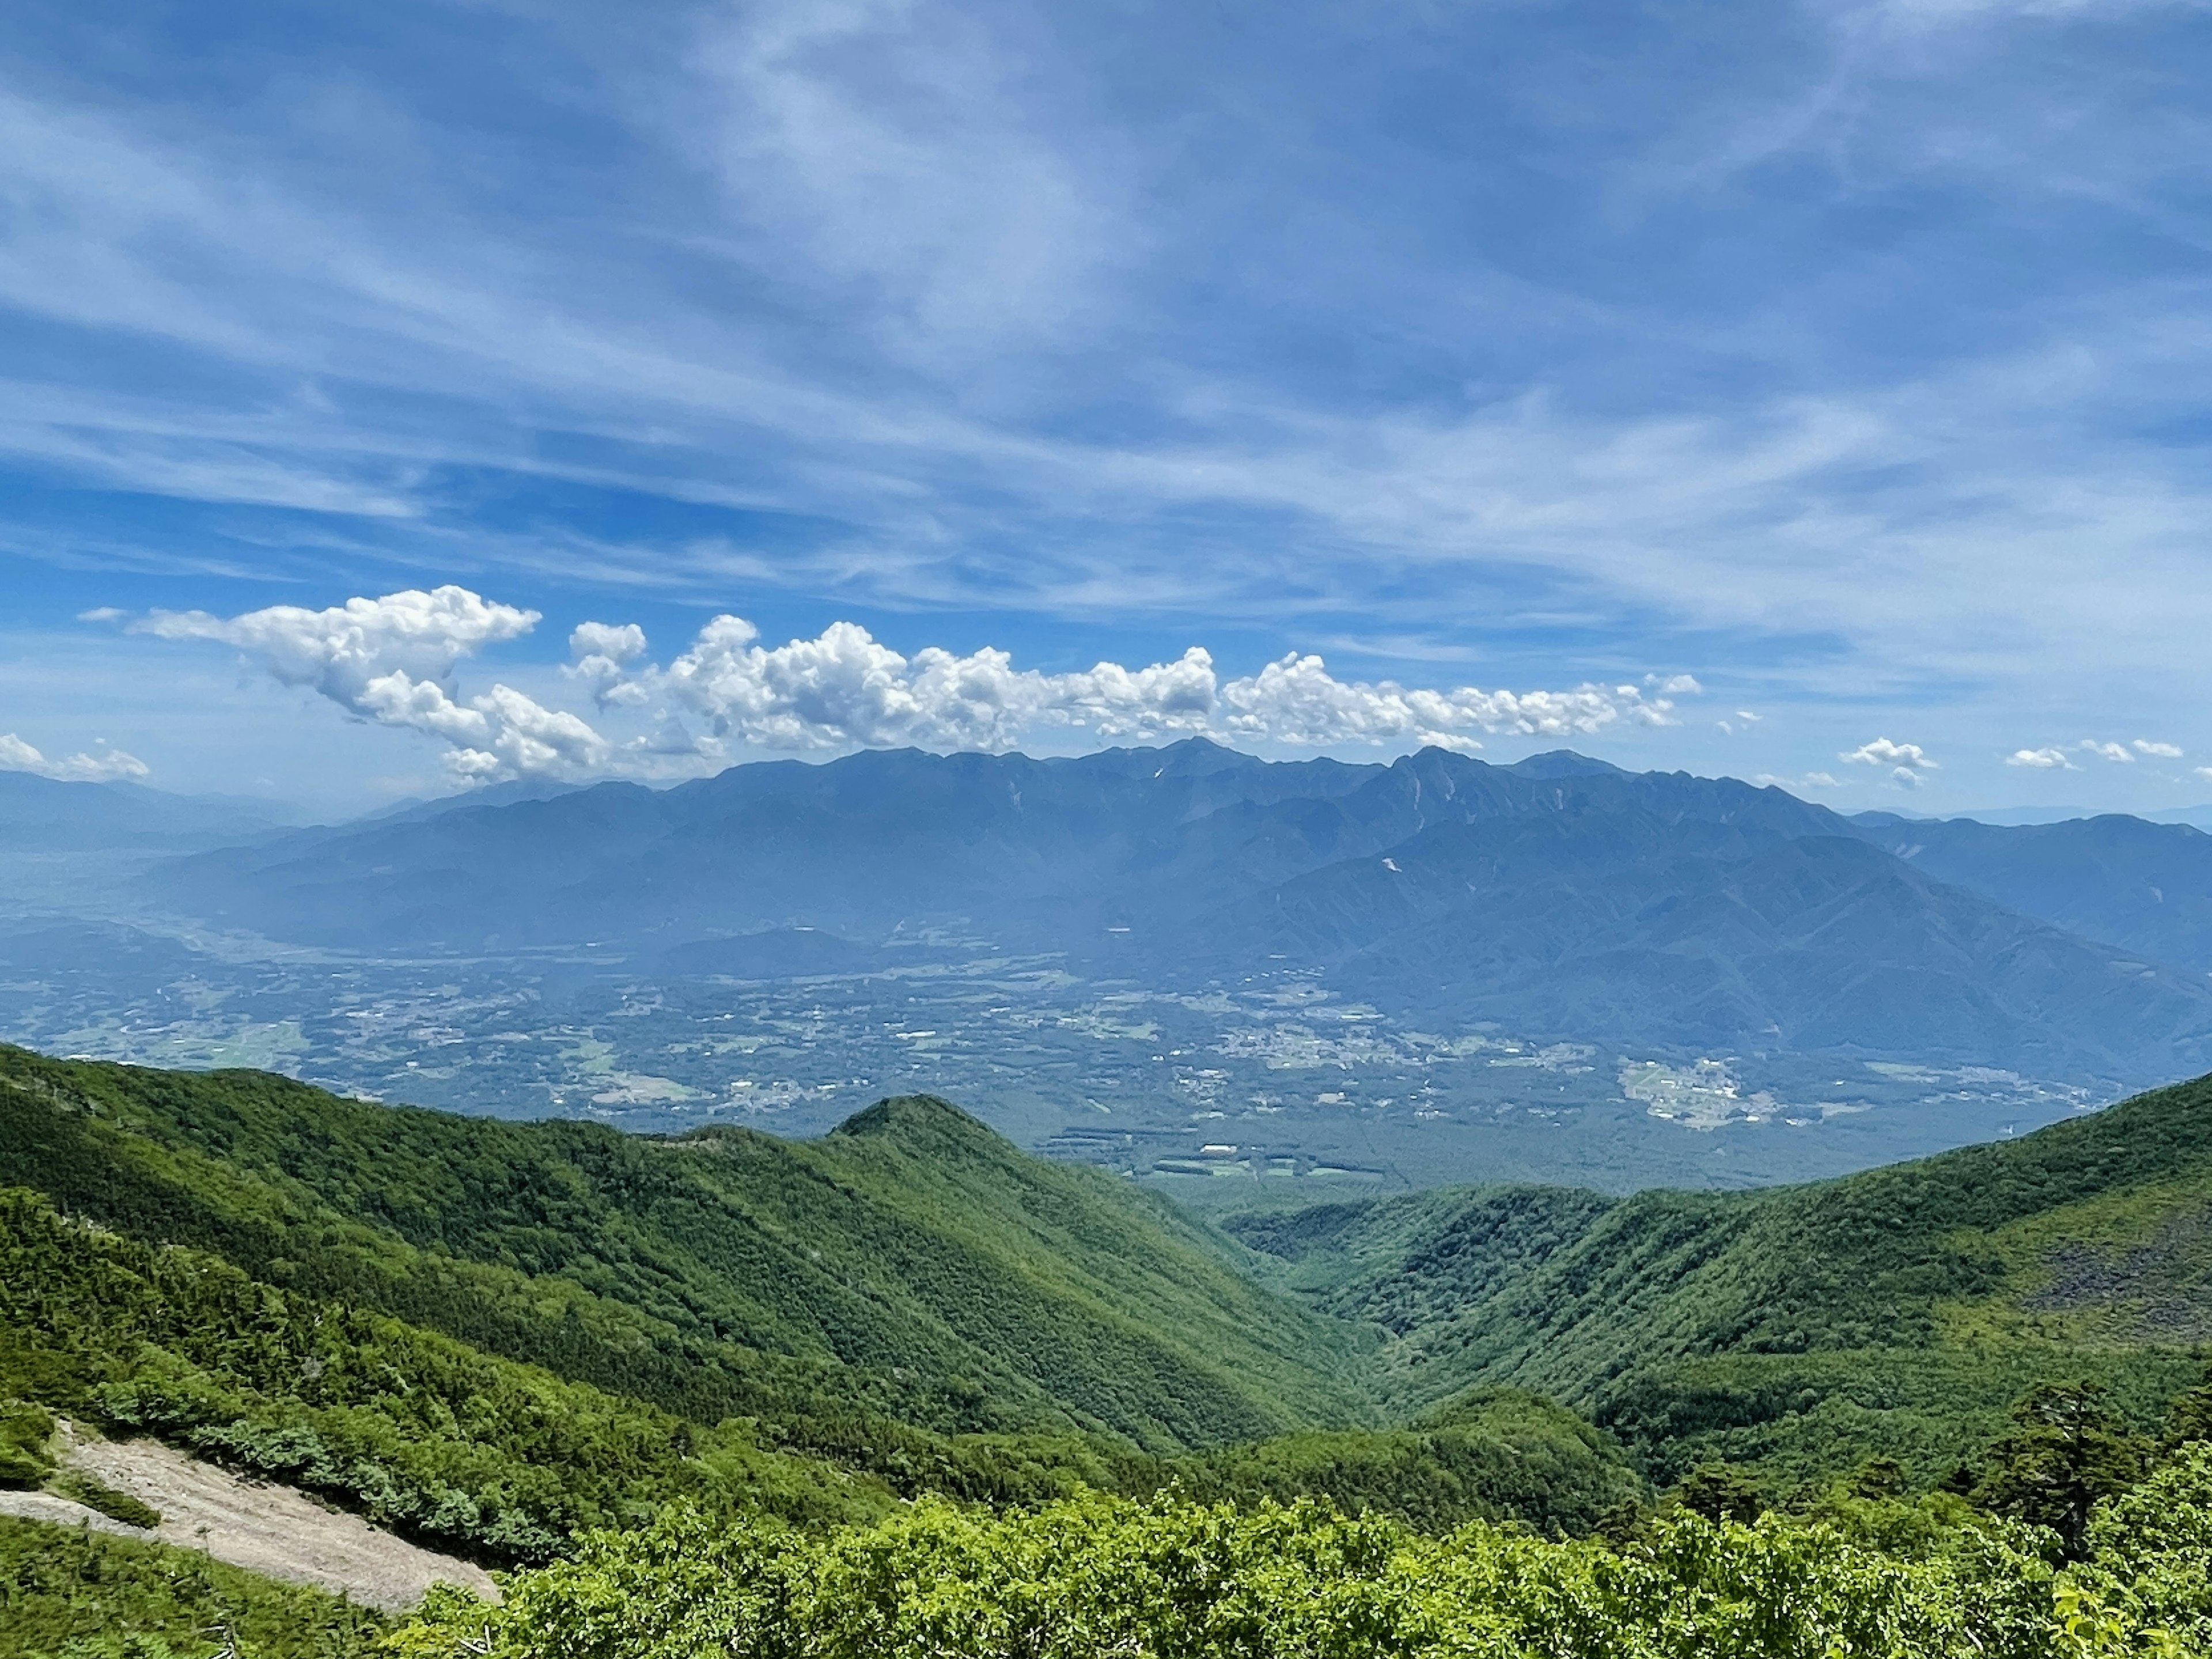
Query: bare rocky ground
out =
(269, 1529)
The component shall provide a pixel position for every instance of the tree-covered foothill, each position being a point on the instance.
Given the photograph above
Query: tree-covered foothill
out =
(911, 1267)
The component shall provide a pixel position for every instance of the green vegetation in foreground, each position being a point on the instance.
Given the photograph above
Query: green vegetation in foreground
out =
(66, 1593)
(1083, 1580)
(1801, 1331)
(304, 1369)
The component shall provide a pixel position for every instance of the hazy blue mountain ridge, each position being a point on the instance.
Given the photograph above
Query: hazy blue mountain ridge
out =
(2141, 886)
(1559, 899)
(39, 814)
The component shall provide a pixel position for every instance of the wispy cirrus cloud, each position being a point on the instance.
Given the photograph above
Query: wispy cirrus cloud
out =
(1797, 343)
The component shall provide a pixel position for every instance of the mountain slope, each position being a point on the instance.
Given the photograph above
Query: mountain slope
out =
(1895, 1312)
(1568, 926)
(1558, 898)
(914, 1264)
(2144, 888)
(1041, 850)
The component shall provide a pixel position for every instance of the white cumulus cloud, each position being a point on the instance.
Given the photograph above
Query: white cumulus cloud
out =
(602, 654)
(1908, 762)
(106, 767)
(2046, 760)
(846, 688)
(392, 659)
(2162, 750)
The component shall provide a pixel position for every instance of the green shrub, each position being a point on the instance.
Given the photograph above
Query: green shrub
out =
(94, 1493)
(1098, 1578)
(24, 1432)
(69, 1594)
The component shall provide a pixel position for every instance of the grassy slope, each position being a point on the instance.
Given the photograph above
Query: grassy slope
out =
(913, 1265)
(1895, 1313)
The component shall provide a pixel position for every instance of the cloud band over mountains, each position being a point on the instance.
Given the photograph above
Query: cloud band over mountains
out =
(393, 660)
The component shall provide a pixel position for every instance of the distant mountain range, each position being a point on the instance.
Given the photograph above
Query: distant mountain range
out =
(1560, 898)
(41, 814)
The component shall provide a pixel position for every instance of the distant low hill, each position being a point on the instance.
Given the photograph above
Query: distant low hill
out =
(1896, 1313)
(1560, 898)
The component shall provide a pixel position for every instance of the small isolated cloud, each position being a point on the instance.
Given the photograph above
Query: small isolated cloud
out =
(391, 660)
(2046, 760)
(106, 767)
(1798, 785)
(2110, 751)
(2162, 750)
(1743, 717)
(1907, 761)
(105, 613)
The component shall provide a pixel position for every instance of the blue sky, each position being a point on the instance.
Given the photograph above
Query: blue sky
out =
(1850, 359)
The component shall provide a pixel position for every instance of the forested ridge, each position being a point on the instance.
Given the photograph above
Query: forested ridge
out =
(906, 1390)
(1897, 1312)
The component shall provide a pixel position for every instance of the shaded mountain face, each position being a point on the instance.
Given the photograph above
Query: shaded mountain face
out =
(1715, 935)
(1040, 853)
(1559, 899)
(2143, 887)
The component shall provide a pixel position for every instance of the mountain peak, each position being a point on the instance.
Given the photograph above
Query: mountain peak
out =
(918, 1123)
(1563, 763)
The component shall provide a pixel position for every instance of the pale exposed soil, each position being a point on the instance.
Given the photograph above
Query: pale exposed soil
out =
(269, 1529)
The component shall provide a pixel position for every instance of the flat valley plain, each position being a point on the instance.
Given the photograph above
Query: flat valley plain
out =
(1268, 1088)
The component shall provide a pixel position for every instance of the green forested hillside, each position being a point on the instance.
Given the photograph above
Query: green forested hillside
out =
(1896, 1313)
(913, 1265)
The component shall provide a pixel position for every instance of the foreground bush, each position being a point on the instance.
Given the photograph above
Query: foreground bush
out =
(1175, 1580)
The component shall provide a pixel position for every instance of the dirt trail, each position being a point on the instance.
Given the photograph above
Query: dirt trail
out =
(269, 1529)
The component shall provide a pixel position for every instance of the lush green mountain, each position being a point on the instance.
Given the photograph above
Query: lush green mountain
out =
(913, 1262)
(489, 1335)
(1896, 1313)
